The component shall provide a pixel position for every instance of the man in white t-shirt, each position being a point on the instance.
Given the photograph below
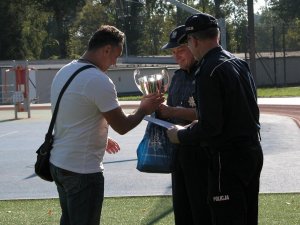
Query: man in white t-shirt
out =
(88, 107)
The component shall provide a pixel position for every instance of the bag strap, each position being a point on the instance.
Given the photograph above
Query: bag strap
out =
(49, 133)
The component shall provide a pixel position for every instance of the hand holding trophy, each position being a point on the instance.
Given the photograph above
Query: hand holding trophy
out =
(155, 153)
(154, 83)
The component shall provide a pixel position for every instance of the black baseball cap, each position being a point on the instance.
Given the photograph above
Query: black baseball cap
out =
(177, 37)
(199, 22)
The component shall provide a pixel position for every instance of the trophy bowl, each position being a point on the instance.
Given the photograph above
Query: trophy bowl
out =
(152, 83)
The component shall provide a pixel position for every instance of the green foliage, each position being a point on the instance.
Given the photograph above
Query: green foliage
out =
(63, 13)
(132, 23)
(292, 37)
(33, 31)
(273, 33)
(85, 25)
(287, 10)
(236, 38)
(11, 42)
(152, 33)
(50, 29)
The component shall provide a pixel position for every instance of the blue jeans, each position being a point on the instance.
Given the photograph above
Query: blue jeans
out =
(80, 195)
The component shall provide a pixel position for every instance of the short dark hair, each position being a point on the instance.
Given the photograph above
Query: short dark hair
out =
(106, 35)
(206, 34)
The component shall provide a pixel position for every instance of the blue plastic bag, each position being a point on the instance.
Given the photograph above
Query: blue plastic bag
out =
(155, 153)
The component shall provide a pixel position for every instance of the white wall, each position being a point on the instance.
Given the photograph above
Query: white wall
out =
(287, 73)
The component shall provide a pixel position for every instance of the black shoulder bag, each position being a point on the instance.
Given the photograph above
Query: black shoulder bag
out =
(42, 166)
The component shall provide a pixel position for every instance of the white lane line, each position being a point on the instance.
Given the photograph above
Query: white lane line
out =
(3, 135)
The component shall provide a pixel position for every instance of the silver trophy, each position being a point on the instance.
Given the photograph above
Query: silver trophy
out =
(152, 83)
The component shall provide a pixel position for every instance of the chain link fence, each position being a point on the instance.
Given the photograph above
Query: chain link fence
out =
(277, 53)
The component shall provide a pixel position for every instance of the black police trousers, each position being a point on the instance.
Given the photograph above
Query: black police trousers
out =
(234, 176)
(189, 187)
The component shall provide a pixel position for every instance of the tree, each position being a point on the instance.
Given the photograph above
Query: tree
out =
(11, 42)
(85, 25)
(219, 13)
(33, 31)
(132, 21)
(152, 36)
(276, 34)
(286, 9)
(63, 13)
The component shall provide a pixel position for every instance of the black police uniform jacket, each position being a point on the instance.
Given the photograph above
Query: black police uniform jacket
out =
(225, 95)
(181, 91)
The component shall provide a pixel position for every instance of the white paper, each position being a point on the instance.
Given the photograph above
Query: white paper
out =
(159, 122)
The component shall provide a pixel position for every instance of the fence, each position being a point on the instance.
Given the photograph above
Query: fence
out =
(277, 54)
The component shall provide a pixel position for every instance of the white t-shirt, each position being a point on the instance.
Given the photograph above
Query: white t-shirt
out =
(80, 133)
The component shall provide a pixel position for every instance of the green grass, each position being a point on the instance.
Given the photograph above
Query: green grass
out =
(279, 92)
(279, 209)
(130, 98)
(275, 209)
(261, 92)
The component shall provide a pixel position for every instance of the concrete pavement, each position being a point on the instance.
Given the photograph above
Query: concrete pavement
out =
(19, 139)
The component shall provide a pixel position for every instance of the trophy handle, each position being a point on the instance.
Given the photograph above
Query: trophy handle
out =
(136, 74)
(165, 73)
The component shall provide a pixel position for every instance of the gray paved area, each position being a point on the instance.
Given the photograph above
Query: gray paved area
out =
(19, 140)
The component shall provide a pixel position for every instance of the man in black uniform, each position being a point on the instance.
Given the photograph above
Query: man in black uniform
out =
(228, 122)
(189, 180)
